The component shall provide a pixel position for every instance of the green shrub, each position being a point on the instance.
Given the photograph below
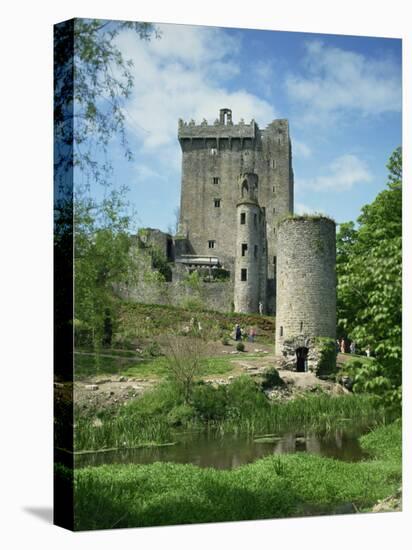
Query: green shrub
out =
(245, 398)
(327, 356)
(162, 399)
(240, 346)
(153, 349)
(210, 403)
(180, 415)
(271, 379)
(225, 341)
(369, 377)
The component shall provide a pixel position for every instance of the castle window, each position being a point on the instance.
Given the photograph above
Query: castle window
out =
(281, 331)
(244, 249)
(274, 230)
(255, 219)
(217, 203)
(273, 188)
(212, 244)
(274, 163)
(243, 218)
(274, 260)
(301, 326)
(215, 181)
(274, 210)
(243, 274)
(256, 250)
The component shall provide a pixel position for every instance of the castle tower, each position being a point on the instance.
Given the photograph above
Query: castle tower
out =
(250, 247)
(306, 288)
(213, 156)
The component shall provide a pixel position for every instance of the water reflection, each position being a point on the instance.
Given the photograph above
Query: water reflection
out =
(210, 450)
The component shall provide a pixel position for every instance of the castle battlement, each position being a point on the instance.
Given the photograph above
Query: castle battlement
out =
(191, 130)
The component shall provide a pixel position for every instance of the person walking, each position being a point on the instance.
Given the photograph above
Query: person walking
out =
(238, 332)
(260, 308)
(352, 347)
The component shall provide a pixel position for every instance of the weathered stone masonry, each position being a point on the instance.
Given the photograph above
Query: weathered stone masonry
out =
(213, 158)
(306, 283)
(236, 218)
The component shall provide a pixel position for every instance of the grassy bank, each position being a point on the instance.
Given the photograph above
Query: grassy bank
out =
(277, 486)
(92, 365)
(240, 408)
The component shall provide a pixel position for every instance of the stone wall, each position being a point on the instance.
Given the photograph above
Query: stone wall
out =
(223, 151)
(306, 280)
(216, 296)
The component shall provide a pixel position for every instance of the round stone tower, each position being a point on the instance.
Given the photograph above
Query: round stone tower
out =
(305, 289)
(250, 246)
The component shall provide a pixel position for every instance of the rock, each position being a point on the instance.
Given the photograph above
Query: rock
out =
(230, 377)
(123, 379)
(58, 385)
(337, 389)
(92, 387)
(347, 382)
(97, 423)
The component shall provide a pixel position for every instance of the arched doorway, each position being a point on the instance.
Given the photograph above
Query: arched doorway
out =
(301, 359)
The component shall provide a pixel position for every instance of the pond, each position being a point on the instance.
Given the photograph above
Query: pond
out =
(207, 449)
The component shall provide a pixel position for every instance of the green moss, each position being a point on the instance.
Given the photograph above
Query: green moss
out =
(305, 217)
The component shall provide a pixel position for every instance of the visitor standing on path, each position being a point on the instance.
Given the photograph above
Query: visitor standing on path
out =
(238, 333)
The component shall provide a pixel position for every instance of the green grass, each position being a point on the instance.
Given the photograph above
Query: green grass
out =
(276, 486)
(147, 367)
(140, 321)
(240, 408)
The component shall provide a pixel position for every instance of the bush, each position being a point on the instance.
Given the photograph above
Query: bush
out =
(225, 341)
(180, 415)
(327, 356)
(153, 349)
(271, 379)
(245, 398)
(240, 346)
(159, 401)
(208, 402)
(368, 376)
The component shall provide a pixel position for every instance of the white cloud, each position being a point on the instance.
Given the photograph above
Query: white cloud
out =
(342, 174)
(183, 75)
(337, 80)
(301, 149)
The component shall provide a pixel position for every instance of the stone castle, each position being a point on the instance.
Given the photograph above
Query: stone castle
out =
(236, 228)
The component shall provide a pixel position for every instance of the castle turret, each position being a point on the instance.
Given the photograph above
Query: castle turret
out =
(306, 288)
(250, 246)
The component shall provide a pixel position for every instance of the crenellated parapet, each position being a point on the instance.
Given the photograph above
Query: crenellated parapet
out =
(222, 128)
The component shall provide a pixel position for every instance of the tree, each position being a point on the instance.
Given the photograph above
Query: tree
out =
(369, 269)
(102, 260)
(184, 356)
(92, 83)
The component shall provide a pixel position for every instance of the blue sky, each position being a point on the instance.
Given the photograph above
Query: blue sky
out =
(341, 94)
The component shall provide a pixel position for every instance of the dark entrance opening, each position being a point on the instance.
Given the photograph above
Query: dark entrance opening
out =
(301, 359)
